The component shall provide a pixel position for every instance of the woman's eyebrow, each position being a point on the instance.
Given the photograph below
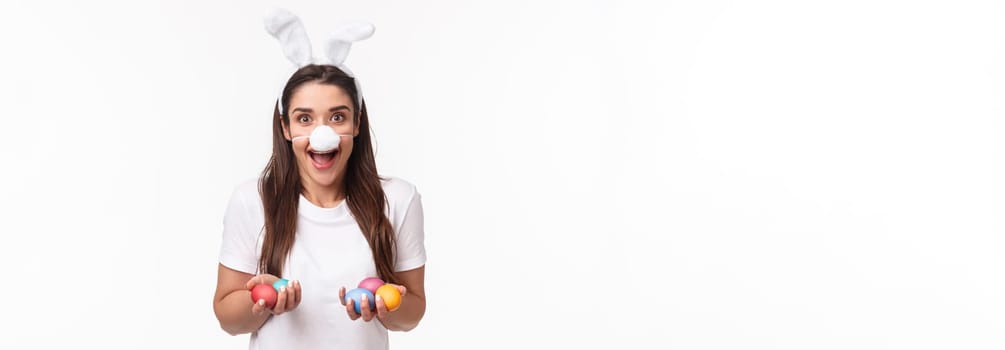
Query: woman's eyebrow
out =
(308, 110)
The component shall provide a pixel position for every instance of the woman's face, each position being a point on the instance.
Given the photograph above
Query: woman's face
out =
(313, 105)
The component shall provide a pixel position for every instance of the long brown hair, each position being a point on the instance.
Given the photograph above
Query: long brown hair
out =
(280, 184)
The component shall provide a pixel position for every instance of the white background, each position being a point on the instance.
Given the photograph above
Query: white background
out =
(682, 174)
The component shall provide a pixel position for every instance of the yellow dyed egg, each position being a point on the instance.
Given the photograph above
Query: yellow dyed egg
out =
(390, 295)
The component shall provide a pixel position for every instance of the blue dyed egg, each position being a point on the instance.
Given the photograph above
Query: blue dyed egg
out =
(355, 296)
(282, 282)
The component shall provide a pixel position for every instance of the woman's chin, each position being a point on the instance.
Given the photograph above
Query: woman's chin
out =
(324, 178)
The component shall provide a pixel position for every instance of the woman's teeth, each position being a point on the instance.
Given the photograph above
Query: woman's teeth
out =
(322, 160)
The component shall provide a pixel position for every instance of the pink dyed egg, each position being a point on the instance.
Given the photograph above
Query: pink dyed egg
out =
(371, 284)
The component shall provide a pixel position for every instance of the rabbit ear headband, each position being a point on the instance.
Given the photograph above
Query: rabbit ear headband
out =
(289, 30)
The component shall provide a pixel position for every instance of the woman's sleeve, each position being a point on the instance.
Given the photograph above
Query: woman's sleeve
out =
(237, 251)
(411, 250)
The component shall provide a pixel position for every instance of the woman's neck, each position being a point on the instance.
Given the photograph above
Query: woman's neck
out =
(323, 196)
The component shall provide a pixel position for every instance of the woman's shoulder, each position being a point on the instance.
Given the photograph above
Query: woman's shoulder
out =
(247, 191)
(397, 189)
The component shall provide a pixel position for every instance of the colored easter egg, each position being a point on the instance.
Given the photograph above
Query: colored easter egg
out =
(280, 283)
(264, 292)
(355, 296)
(390, 295)
(371, 284)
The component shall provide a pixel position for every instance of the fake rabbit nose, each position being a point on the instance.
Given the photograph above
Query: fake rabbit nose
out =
(322, 139)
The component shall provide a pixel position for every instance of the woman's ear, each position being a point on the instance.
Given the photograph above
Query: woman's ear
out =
(355, 127)
(286, 131)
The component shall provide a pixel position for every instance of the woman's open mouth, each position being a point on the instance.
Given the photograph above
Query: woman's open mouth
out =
(322, 160)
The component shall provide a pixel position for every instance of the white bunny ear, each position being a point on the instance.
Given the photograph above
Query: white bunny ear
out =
(353, 31)
(337, 47)
(289, 30)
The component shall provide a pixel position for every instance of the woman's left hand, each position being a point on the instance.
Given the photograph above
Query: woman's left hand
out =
(381, 311)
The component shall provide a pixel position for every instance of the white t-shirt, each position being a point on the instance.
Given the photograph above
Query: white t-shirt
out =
(329, 252)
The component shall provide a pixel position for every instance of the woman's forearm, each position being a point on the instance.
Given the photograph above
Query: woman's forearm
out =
(234, 313)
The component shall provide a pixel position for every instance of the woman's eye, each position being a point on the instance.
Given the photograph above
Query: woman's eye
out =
(337, 118)
(304, 119)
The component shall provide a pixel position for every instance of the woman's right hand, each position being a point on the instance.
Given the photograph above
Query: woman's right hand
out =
(289, 295)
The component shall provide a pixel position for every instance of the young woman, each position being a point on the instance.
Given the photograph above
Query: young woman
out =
(324, 220)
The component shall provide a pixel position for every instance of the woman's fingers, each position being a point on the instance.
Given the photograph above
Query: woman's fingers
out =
(259, 307)
(365, 309)
(381, 308)
(280, 306)
(350, 310)
(349, 305)
(295, 293)
(289, 298)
